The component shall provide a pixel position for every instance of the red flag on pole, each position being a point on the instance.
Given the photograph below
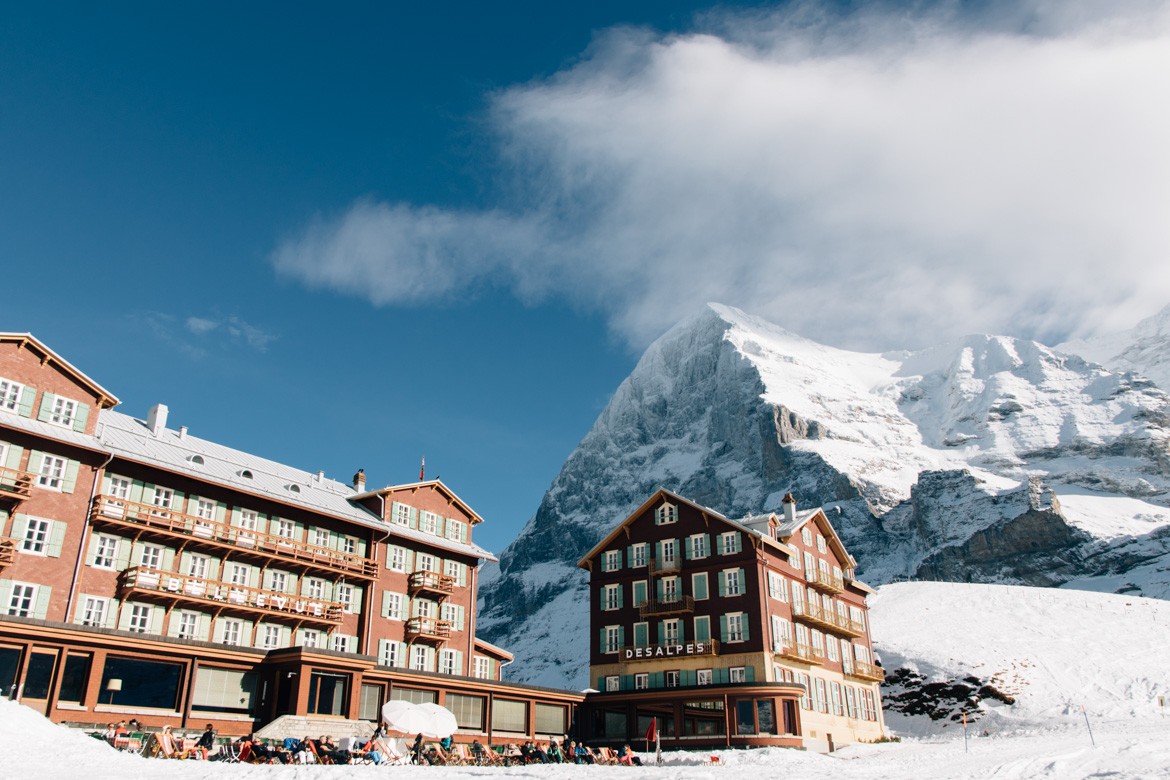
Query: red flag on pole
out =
(422, 467)
(652, 730)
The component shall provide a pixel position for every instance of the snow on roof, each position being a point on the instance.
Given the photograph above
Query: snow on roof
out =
(130, 438)
(107, 398)
(49, 431)
(489, 647)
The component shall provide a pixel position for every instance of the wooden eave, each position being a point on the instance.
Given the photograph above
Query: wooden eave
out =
(414, 487)
(105, 399)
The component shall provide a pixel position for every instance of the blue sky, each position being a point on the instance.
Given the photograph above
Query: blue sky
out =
(355, 235)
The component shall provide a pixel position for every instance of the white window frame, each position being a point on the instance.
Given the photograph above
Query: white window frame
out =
(641, 681)
(231, 631)
(671, 678)
(428, 523)
(396, 560)
(483, 668)
(93, 611)
(447, 662)
(401, 515)
(395, 606)
(343, 595)
(699, 547)
(666, 514)
(285, 528)
(734, 627)
(671, 589)
(418, 658)
(731, 543)
(139, 621)
(22, 601)
(611, 560)
(36, 536)
(320, 537)
(613, 683)
(314, 588)
(610, 597)
(163, 498)
(348, 545)
(340, 643)
(737, 674)
(310, 637)
(151, 556)
(640, 555)
(271, 637)
(198, 566)
(10, 393)
(120, 488)
(821, 548)
(425, 562)
(205, 509)
(454, 530)
(612, 639)
(732, 584)
(389, 655)
(670, 629)
(669, 551)
(64, 412)
(704, 677)
(279, 581)
(52, 473)
(188, 627)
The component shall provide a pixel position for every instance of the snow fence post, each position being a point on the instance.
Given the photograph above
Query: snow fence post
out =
(1089, 727)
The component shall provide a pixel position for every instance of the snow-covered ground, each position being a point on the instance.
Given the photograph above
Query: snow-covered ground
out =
(1054, 650)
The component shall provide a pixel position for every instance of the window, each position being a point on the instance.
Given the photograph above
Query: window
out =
(197, 566)
(93, 613)
(670, 590)
(231, 631)
(119, 487)
(424, 608)
(821, 544)
(612, 560)
(204, 509)
(348, 545)
(10, 393)
(611, 597)
(341, 643)
(641, 681)
(670, 631)
(64, 412)
(314, 588)
(703, 677)
(319, 537)
(551, 718)
(285, 529)
(223, 690)
(667, 513)
(806, 536)
(425, 562)
(819, 694)
(735, 627)
(810, 567)
(392, 605)
(794, 560)
(835, 697)
(483, 667)
(454, 530)
(239, 574)
(781, 634)
(638, 554)
(401, 514)
(672, 678)
(669, 551)
(278, 581)
(733, 582)
(36, 536)
(698, 545)
(271, 637)
(468, 710)
(151, 556)
(152, 684)
(188, 625)
(455, 570)
(806, 697)
(397, 558)
(418, 658)
(163, 497)
(699, 585)
(310, 638)
(846, 655)
(52, 474)
(737, 674)
(139, 618)
(510, 715)
(248, 519)
(777, 586)
(857, 616)
(831, 649)
(851, 701)
(613, 639)
(613, 683)
(702, 628)
(390, 654)
(428, 523)
(448, 662)
(729, 543)
(343, 594)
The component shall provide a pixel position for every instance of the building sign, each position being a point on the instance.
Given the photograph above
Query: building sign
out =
(666, 651)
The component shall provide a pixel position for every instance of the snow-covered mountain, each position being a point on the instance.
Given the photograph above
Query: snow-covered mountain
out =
(988, 459)
(1144, 348)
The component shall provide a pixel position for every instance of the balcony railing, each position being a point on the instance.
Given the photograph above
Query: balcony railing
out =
(677, 605)
(798, 651)
(634, 653)
(7, 551)
(665, 564)
(823, 580)
(431, 582)
(129, 514)
(864, 671)
(827, 619)
(228, 597)
(425, 629)
(15, 484)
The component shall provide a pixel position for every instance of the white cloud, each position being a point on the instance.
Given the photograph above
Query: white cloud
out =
(235, 328)
(869, 180)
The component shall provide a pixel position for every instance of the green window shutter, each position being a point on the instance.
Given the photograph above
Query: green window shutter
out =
(742, 581)
(658, 551)
(136, 491)
(688, 677)
(661, 632)
(689, 548)
(91, 554)
(56, 539)
(601, 683)
(70, 480)
(25, 404)
(409, 558)
(621, 636)
(80, 416)
(601, 643)
(386, 604)
(46, 411)
(656, 680)
(627, 682)
(682, 631)
(721, 676)
(620, 596)
(630, 554)
(383, 644)
(122, 560)
(35, 457)
(19, 527)
(749, 672)
(203, 627)
(722, 584)
(459, 662)
(659, 589)
(723, 628)
(703, 629)
(156, 619)
(719, 544)
(640, 639)
(707, 543)
(414, 518)
(44, 595)
(699, 585)
(5, 593)
(744, 625)
(12, 460)
(639, 593)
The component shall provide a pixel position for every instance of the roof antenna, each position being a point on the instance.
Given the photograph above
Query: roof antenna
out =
(422, 468)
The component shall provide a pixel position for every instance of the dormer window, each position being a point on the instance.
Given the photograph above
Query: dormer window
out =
(196, 460)
(246, 474)
(667, 513)
(293, 488)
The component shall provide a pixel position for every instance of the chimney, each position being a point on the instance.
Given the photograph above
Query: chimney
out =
(789, 508)
(182, 431)
(320, 476)
(359, 481)
(156, 420)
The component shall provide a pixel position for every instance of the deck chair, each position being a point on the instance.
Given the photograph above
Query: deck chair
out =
(463, 753)
(393, 752)
(318, 758)
(449, 757)
(164, 746)
(606, 756)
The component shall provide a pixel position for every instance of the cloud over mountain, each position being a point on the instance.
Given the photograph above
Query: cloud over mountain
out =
(866, 179)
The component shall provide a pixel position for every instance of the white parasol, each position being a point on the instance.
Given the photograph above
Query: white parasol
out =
(404, 717)
(443, 722)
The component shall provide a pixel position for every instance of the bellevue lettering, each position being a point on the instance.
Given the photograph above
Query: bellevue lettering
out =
(666, 651)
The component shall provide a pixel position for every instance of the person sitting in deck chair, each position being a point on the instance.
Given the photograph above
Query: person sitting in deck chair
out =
(206, 742)
(628, 758)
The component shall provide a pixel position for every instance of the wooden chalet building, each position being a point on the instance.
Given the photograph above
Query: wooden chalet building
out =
(148, 573)
(723, 632)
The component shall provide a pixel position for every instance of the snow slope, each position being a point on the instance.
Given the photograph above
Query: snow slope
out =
(1145, 348)
(1056, 650)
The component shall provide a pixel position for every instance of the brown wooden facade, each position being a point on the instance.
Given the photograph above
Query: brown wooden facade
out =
(146, 573)
(748, 632)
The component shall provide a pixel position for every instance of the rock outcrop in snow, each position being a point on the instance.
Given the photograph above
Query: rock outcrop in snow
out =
(990, 459)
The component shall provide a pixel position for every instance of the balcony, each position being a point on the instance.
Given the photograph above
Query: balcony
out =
(826, 619)
(690, 649)
(226, 597)
(677, 605)
(430, 630)
(664, 565)
(7, 552)
(431, 583)
(800, 652)
(824, 581)
(15, 485)
(209, 534)
(868, 672)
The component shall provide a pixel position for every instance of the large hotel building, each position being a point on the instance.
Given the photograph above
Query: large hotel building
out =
(148, 573)
(728, 632)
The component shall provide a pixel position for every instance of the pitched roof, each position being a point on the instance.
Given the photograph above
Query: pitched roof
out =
(106, 399)
(438, 484)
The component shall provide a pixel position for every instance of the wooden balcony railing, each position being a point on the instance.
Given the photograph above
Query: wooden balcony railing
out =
(15, 484)
(798, 651)
(833, 622)
(425, 629)
(228, 597)
(633, 653)
(7, 551)
(128, 514)
(431, 582)
(824, 581)
(658, 565)
(678, 605)
(868, 672)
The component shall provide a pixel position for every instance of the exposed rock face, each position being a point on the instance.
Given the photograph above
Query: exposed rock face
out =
(992, 459)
